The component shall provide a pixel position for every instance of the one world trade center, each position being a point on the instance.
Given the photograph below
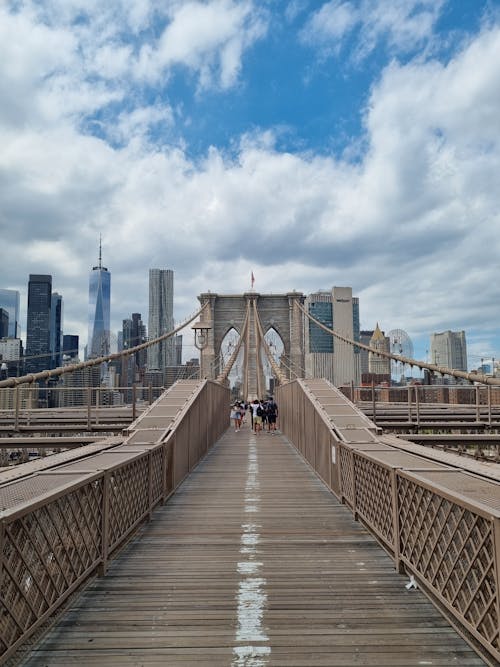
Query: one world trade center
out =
(99, 310)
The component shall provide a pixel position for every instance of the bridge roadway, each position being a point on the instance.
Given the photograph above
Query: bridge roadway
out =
(252, 562)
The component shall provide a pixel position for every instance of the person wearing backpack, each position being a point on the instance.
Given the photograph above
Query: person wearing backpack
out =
(257, 416)
(272, 415)
(263, 405)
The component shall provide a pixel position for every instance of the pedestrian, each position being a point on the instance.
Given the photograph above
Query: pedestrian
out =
(272, 414)
(263, 405)
(243, 408)
(257, 415)
(250, 412)
(235, 417)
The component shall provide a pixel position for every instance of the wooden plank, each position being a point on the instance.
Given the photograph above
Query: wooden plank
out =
(252, 562)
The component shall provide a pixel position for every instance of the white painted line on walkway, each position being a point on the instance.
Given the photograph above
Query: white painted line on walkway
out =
(252, 596)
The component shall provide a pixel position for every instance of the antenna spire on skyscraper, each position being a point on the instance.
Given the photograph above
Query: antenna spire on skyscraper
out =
(100, 251)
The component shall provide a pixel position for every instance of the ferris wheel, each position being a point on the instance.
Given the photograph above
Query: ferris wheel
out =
(400, 344)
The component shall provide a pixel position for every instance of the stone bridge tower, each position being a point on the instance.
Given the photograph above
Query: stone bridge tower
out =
(276, 311)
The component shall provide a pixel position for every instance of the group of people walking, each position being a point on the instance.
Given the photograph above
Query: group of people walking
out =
(262, 414)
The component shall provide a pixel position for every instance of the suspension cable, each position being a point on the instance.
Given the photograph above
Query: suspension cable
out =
(286, 358)
(441, 370)
(56, 372)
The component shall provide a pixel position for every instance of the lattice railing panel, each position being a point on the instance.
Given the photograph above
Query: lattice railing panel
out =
(374, 496)
(157, 473)
(452, 548)
(45, 553)
(346, 479)
(129, 498)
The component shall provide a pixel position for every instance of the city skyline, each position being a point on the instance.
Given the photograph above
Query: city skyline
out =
(474, 361)
(310, 142)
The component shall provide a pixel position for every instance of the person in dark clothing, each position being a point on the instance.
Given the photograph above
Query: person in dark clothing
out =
(272, 414)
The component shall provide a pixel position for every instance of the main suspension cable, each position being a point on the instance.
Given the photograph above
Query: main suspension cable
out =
(61, 370)
(441, 370)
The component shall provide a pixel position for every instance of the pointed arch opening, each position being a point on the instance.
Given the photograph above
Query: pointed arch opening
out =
(277, 347)
(227, 347)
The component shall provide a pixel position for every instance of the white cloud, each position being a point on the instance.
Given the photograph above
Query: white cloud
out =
(401, 24)
(69, 58)
(207, 38)
(404, 225)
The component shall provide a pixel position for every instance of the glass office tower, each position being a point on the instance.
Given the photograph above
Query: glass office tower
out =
(38, 323)
(99, 310)
(9, 301)
(161, 318)
(56, 330)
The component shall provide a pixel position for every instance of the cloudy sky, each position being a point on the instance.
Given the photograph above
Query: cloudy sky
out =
(349, 142)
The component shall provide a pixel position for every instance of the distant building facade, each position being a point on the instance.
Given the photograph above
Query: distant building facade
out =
(38, 323)
(326, 356)
(70, 346)
(56, 329)
(449, 349)
(161, 318)
(4, 323)
(11, 353)
(365, 337)
(9, 301)
(379, 365)
(178, 350)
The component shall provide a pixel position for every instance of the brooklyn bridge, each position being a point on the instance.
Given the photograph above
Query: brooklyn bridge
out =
(364, 531)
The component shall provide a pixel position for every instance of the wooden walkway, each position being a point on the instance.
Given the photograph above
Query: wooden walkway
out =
(252, 563)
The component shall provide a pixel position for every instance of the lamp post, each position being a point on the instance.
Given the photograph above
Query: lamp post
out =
(201, 336)
(201, 330)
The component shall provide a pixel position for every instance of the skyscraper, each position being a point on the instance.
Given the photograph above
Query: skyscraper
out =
(133, 333)
(70, 346)
(38, 323)
(326, 356)
(56, 329)
(365, 337)
(449, 349)
(9, 301)
(4, 323)
(319, 343)
(161, 318)
(99, 310)
(379, 365)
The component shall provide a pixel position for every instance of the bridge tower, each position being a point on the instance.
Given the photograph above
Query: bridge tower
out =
(275, 311)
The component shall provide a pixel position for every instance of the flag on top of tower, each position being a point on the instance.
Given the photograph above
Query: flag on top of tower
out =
(252, 279)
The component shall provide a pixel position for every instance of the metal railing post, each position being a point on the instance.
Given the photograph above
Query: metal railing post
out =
(417, 405)
(150, 485)
(374, 403)
(489, 405)
(105, 523)
(2, 540)
(478, 404)
(97, 404)
(134, 402)
(89, 404)
(409, 404)
(150, 393)
(16, 408)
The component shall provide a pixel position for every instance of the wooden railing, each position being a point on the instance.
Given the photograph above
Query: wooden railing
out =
(440, 524)
(62, 525)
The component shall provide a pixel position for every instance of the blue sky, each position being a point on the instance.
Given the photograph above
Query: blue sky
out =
(315, 143)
